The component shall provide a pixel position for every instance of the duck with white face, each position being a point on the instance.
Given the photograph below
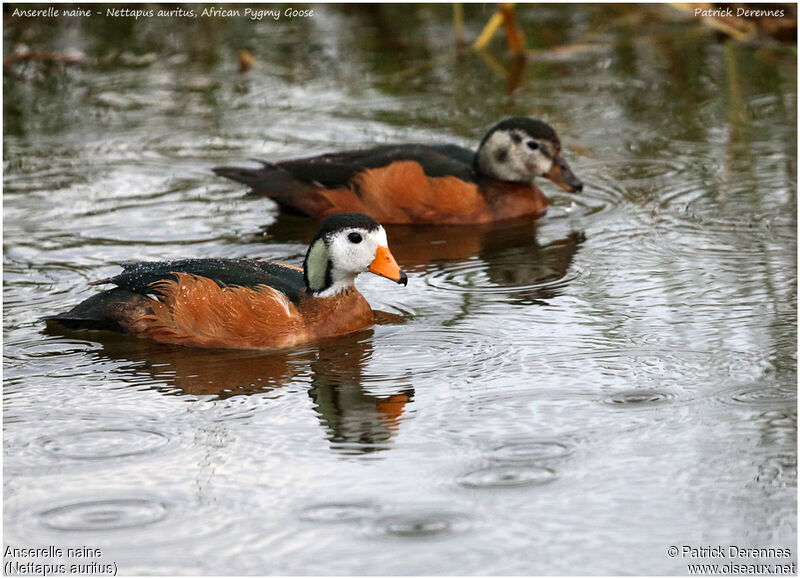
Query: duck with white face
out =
(348, 244)
(246, 303)
(519, 149)
(423, 183)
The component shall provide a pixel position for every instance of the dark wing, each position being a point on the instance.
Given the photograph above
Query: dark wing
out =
(138, 277)
(336, 169)
(118, 309)
(299, 185)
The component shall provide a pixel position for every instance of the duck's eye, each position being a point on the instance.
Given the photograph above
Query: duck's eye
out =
(532, 145)
(354, 237)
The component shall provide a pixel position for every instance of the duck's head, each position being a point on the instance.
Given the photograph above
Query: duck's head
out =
(519, 149)
(346, 245)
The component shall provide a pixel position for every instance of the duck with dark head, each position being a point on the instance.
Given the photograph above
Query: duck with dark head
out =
(419, 183)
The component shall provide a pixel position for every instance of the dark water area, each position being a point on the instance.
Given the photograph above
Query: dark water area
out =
(571, 395)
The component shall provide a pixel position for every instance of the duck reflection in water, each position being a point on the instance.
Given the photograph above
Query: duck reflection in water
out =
(355, 420)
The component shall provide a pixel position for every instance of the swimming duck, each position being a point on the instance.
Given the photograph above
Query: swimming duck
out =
(246, 303)
(415, 183)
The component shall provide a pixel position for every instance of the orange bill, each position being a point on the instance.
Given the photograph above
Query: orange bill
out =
(385, 265)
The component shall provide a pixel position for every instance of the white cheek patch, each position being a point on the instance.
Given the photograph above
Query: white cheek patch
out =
(500, 157)
(355, 258)
(500, 148)
(542, 163)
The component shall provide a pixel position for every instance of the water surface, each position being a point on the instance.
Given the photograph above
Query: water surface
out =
(567, 396)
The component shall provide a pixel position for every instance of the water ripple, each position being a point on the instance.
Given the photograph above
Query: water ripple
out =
(759, 396)
(102, 443)
(338, 512)
(529, 450)
(421, 524)
(508, 476)
(502, 277)
(469, 352)
(637, 398)
(107, 515)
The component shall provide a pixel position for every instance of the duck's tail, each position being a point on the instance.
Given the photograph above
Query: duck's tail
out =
(112, 310)
(281, 186)
(253, 178)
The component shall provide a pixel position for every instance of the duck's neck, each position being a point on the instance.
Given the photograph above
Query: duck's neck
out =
(512, 200)
(338, 284)
(342, 313)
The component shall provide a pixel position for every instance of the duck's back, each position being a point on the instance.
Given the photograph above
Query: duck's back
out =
(409, 183)
(338, 169)
(140, 276)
